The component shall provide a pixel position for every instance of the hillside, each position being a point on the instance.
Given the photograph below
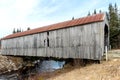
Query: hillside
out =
(107, 70)
(8, 64)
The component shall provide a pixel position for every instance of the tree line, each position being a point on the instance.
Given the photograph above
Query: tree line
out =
(19, 30)
(114, 23)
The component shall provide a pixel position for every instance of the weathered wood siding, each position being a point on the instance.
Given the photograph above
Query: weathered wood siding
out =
(85, 41)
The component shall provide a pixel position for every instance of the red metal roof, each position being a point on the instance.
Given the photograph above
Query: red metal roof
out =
(70, 23)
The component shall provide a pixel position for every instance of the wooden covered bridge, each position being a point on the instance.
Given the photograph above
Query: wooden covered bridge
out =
(83, 38)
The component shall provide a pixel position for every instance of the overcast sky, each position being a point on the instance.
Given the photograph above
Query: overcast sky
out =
(36, 13)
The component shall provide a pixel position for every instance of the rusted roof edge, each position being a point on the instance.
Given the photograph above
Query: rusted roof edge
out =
(47, 28)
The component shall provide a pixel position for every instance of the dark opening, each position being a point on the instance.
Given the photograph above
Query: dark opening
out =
(0, 44)
(47, 33)
(48, 39)
(106, 39)
(44, 42)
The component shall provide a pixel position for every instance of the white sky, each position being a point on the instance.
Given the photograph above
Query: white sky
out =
(36, 13)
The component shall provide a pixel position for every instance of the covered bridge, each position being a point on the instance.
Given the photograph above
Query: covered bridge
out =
(83, 38)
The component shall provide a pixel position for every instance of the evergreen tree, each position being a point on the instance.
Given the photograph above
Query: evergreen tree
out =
(114, 26)
(17, 30)
(89, 14)
(28, 28)
(95, 11)
(14, 31)
(116, 10)
(20, 30)
(100, 11)
(72, 18)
